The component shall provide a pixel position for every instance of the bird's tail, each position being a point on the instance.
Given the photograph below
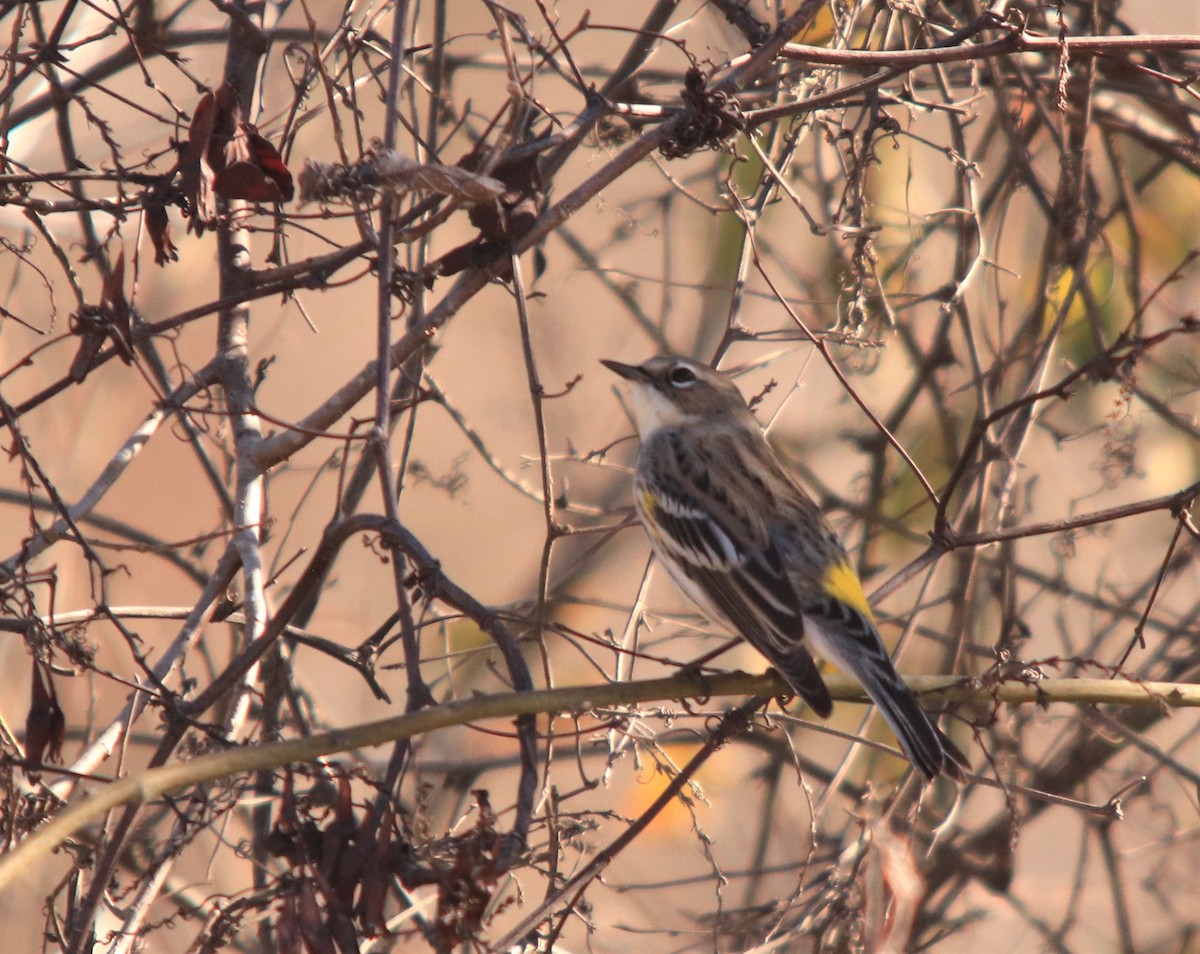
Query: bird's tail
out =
(926, 746)
(850, 641)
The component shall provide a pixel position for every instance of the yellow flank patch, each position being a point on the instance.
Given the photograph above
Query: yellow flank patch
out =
(649, 508)
(842, 583)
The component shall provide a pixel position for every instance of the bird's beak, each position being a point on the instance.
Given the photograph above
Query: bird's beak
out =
(628, 371)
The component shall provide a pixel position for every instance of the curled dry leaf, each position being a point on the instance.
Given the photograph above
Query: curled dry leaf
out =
(226, 156)
(893, 889)
(111, 320)
(313, 929)
(45, 724)
(469, 882)
(255, 170)
(500, 223)
(384, 170)
(707, 122)
(158, 227)
(467, 187)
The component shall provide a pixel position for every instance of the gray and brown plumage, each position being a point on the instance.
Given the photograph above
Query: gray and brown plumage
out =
(749, 546)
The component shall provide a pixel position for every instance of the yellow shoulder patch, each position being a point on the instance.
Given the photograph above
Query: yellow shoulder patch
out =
(648, 502)
(842, 583)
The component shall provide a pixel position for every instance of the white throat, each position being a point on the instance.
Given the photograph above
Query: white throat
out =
(652, 411)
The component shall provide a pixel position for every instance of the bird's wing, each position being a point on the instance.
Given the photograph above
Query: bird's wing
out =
(746, 582)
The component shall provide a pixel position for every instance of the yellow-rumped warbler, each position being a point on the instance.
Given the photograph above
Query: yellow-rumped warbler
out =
(742, 539)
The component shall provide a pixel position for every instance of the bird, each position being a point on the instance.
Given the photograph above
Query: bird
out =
(749, 546)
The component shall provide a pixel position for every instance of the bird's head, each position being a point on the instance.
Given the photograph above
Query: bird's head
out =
(670, 391)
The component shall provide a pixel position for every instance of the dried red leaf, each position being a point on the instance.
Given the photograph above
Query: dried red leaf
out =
(254, 171)
(283, 840)
(466, 889)
(111, 320)
(45, 724)
(195, 169)
(376, 877)
(317, 937)
(337, 916)
(225, 156)
(342, 854)
(158, 227)
(91, 341)
(344, 808)
(287, 927)
(114, 308)
(506, 221)
(200, 130)
(501, 222)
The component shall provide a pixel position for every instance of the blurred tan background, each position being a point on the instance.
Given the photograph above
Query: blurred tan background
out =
(652, 259)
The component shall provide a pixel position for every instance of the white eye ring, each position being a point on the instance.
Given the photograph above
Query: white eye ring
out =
(682, 377)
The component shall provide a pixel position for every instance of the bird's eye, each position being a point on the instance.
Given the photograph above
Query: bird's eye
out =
(683, 377)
